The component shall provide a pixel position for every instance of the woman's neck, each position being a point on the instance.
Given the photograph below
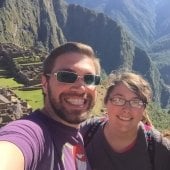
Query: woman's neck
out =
(120, 141)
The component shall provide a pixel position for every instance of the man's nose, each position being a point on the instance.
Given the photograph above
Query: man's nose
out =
(79, 84)
(80, 80)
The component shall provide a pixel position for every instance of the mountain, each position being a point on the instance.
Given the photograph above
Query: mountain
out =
(147, 24)
(137, 18)
(46, 24)
(29, 23)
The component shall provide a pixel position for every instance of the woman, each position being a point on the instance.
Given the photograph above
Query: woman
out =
(123, 142)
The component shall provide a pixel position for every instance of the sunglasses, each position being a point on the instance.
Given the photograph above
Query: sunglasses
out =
(71, 77)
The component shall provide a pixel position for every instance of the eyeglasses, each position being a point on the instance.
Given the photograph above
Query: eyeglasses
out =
(71, 77)
(136, 103)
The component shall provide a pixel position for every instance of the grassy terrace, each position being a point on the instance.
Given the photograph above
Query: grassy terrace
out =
(25, 64)
(33, 97)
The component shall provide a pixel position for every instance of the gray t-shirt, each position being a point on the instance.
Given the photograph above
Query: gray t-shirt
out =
(102, 157)
(46, 144)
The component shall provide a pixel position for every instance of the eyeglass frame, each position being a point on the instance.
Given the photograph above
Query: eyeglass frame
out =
(143, 104)
(78, 76)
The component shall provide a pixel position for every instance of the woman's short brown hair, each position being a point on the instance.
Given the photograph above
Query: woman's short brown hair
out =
(135, 82)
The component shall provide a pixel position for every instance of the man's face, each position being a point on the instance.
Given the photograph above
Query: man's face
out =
(70, 102)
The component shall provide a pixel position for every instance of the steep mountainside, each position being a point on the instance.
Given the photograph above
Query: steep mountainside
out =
(46, 24)
(160, 48)
(29, 23)
(137, 18)
(162, 18)
(147, 24)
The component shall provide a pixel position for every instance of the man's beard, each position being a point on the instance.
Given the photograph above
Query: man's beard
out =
(70, 116)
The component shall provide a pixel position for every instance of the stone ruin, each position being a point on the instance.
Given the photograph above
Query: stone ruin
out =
(11, 106)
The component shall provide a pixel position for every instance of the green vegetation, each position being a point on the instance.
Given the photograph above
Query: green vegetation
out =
(33, 64)
(159, 117)
(33, 97)
(23, 60)
(99, 106)
(9, 83)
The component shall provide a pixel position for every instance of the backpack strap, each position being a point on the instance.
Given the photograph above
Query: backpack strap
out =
(150, 145)
(90, 132)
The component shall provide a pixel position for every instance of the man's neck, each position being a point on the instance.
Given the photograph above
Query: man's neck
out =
(54, 116)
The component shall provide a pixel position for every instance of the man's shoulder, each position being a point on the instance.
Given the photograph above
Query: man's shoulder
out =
(29, 125)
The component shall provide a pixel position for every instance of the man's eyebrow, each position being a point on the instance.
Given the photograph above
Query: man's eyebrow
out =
(65, 69)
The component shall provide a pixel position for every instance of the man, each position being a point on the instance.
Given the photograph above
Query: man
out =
(49, 138)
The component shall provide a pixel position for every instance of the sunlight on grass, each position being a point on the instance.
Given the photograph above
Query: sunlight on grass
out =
(8, 83)
(33, 97)
(99, 106)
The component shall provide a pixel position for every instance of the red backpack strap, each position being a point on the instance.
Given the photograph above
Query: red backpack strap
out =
(150, 144)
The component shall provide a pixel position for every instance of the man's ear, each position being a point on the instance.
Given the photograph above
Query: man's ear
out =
(44, 83)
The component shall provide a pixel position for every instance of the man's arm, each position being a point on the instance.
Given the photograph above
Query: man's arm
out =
(11, 157)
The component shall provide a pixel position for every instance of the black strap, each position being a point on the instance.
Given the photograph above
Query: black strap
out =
(150, 147)
(90, 132)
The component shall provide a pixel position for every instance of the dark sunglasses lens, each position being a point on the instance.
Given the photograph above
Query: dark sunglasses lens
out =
(92, 79)
(97, 80)
(66, 77)
(89, 79)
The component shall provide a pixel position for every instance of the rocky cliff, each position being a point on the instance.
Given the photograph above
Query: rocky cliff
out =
(29, 23)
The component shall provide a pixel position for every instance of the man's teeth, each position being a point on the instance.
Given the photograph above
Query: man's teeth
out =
(76, 101)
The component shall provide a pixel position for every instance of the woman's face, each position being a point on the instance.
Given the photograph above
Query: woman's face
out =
(124, 108)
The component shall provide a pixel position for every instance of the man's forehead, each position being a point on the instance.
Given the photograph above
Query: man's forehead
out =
(74, 61)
